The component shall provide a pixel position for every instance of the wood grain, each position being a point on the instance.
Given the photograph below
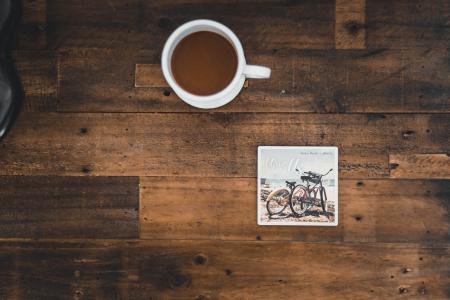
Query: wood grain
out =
(225, 208)
(149, 75)
(302, 81)
(224, 270)
(69, 207)
(147, 24)
(408, 24)
(421, 166)
(38, 71)
(350, 32)
(32, 32)
(215, 144)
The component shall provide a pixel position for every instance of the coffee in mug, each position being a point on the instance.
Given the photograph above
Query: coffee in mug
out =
(203, 62)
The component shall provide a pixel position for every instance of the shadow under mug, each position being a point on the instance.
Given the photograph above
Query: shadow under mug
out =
(243, 70)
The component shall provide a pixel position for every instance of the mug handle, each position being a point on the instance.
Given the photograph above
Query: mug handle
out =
(251, 71)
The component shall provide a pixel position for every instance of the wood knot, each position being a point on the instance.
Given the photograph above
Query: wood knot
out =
(358, 218)
(200, 259)
(393, 166)
(353, 27)
(86, 170)
(177, 280)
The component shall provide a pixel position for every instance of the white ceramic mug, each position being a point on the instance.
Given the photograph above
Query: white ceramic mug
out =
(243, 70)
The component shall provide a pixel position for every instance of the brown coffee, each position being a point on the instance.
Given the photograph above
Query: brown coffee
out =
(204, 63)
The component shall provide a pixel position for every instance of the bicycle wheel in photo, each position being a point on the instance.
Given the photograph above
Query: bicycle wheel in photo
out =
(323, 200)
(299, 201)
(277, 201)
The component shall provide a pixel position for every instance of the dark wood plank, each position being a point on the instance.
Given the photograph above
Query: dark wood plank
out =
(147, 24)
(224, 208)
(32, 32)
(208, 144)
(69, 207)
(224, 270)
(408, 23)
(302, 81)
(423, 166)
(38, 71)
(149, 75)
(350, 32)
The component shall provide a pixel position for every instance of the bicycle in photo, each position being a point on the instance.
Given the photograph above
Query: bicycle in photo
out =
(299, 198)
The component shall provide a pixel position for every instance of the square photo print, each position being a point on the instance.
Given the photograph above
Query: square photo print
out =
(297, 186)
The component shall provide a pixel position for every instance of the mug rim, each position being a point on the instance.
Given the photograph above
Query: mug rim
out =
(224, 31)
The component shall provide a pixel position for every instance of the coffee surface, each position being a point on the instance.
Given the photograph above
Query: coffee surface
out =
(204, 63)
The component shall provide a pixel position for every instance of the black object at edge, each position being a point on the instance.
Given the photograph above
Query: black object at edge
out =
(11, 93)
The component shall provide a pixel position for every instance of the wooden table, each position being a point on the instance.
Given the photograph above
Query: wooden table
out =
(113, 188)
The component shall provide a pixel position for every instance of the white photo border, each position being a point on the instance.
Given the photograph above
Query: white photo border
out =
(300, 223)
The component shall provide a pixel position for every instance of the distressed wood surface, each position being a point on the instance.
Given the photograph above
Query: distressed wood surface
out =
(350, 32)
(214, 144)
(406, 24)
(224, 208)
(221, 270)
(32, 31)
(147, 24)
(149, 75)
(302, 81)
(426, 166)
(69, 207)
(38, 71)
(369, 76)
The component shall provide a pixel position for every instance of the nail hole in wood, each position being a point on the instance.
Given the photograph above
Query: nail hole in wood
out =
(359, 183)
(83, 130)
(403, 290)
(200, 259)
(258, 237)
(228, 272)
(166, 93)
(86, 170)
